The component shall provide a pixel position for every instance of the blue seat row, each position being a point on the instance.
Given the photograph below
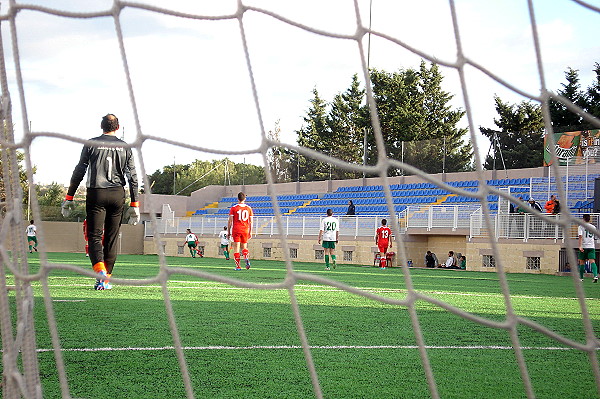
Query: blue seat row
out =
(509, 182)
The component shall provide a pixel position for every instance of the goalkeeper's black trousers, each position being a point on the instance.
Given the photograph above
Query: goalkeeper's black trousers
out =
(104, 210)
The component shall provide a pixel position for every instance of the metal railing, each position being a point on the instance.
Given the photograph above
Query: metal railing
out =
(205, 225)
(445, 218)
(419, 217)
(524, 226)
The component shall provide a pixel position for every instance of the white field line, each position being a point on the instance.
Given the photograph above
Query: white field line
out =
(298, 347)
(322, 288)
(69, 300)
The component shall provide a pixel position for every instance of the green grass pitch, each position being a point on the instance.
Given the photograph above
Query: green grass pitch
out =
(243, 343)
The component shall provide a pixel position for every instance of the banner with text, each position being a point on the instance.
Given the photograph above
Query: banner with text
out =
(573, 147)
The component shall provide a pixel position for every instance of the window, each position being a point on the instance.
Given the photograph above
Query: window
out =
(294, 253)
(319, 255)
(489, 261)
(348, 256)
(266, 252)
(533, 263)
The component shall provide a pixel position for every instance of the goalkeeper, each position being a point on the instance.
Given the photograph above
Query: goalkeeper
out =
(107, 167)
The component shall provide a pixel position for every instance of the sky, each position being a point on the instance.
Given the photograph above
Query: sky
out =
(191, 82)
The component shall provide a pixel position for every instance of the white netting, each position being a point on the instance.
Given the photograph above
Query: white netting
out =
(21, 374)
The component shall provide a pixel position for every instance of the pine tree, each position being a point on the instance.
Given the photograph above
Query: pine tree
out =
(346, 122)
(592, 97)
(315, 134)
(412, 108)
(520, 135)
(440, 122)
(563, 119)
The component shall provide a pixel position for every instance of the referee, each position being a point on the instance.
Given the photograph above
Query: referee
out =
(107, 167)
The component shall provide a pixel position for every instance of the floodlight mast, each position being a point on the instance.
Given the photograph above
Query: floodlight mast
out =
(495, 142)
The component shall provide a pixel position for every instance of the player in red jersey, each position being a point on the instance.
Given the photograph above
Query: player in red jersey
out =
(383, 239)
(85, 237)
(240, 229)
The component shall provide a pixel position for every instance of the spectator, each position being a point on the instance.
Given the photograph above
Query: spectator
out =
(451, 262)
(549, 207)
(429, 259)
(435, 258)
(522, 206)
(462, 263)
(351, 209)
(556, 209)
(534, 205)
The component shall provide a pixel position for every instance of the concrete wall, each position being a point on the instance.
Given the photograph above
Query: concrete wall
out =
(514, 255)
(154, 202)
(68, 237)
(362, 249)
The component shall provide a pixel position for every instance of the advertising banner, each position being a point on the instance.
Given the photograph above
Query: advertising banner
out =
(572, 147)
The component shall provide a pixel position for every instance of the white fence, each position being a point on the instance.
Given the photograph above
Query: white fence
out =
(205, 225)
(427, 217)
(525, 226)
(451, 217)
(446, 218)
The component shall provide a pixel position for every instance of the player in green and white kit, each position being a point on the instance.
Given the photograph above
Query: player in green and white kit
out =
(224, 242)
(191, 239)
(330, 234)
(587, 248)
(32, 236)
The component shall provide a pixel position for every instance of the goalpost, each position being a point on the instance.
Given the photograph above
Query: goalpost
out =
(21, 375)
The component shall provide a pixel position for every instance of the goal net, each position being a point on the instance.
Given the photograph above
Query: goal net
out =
(21, 374)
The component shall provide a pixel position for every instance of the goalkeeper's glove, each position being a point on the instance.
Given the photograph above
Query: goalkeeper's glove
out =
(134, 213)
(67, 206)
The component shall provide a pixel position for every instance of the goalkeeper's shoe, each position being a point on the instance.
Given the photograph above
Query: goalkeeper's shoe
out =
(99, 286)
(102, 284)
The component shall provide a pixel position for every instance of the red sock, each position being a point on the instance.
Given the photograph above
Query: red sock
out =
(236, 258)
(245, 253)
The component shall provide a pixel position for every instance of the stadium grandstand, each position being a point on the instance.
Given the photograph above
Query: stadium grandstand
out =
(431, 216)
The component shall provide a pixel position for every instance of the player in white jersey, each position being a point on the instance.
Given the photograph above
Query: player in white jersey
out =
(329, 233)
(32, 237)
(224, 242)
(587, 248)
(192, 241)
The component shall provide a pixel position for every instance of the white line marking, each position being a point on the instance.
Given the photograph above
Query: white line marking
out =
(335, 347)
(68, 300)
(324, 288)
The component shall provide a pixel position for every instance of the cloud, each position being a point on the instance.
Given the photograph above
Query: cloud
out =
(192, 84)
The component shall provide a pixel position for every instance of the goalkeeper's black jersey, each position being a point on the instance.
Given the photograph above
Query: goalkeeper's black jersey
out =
(106, 167)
